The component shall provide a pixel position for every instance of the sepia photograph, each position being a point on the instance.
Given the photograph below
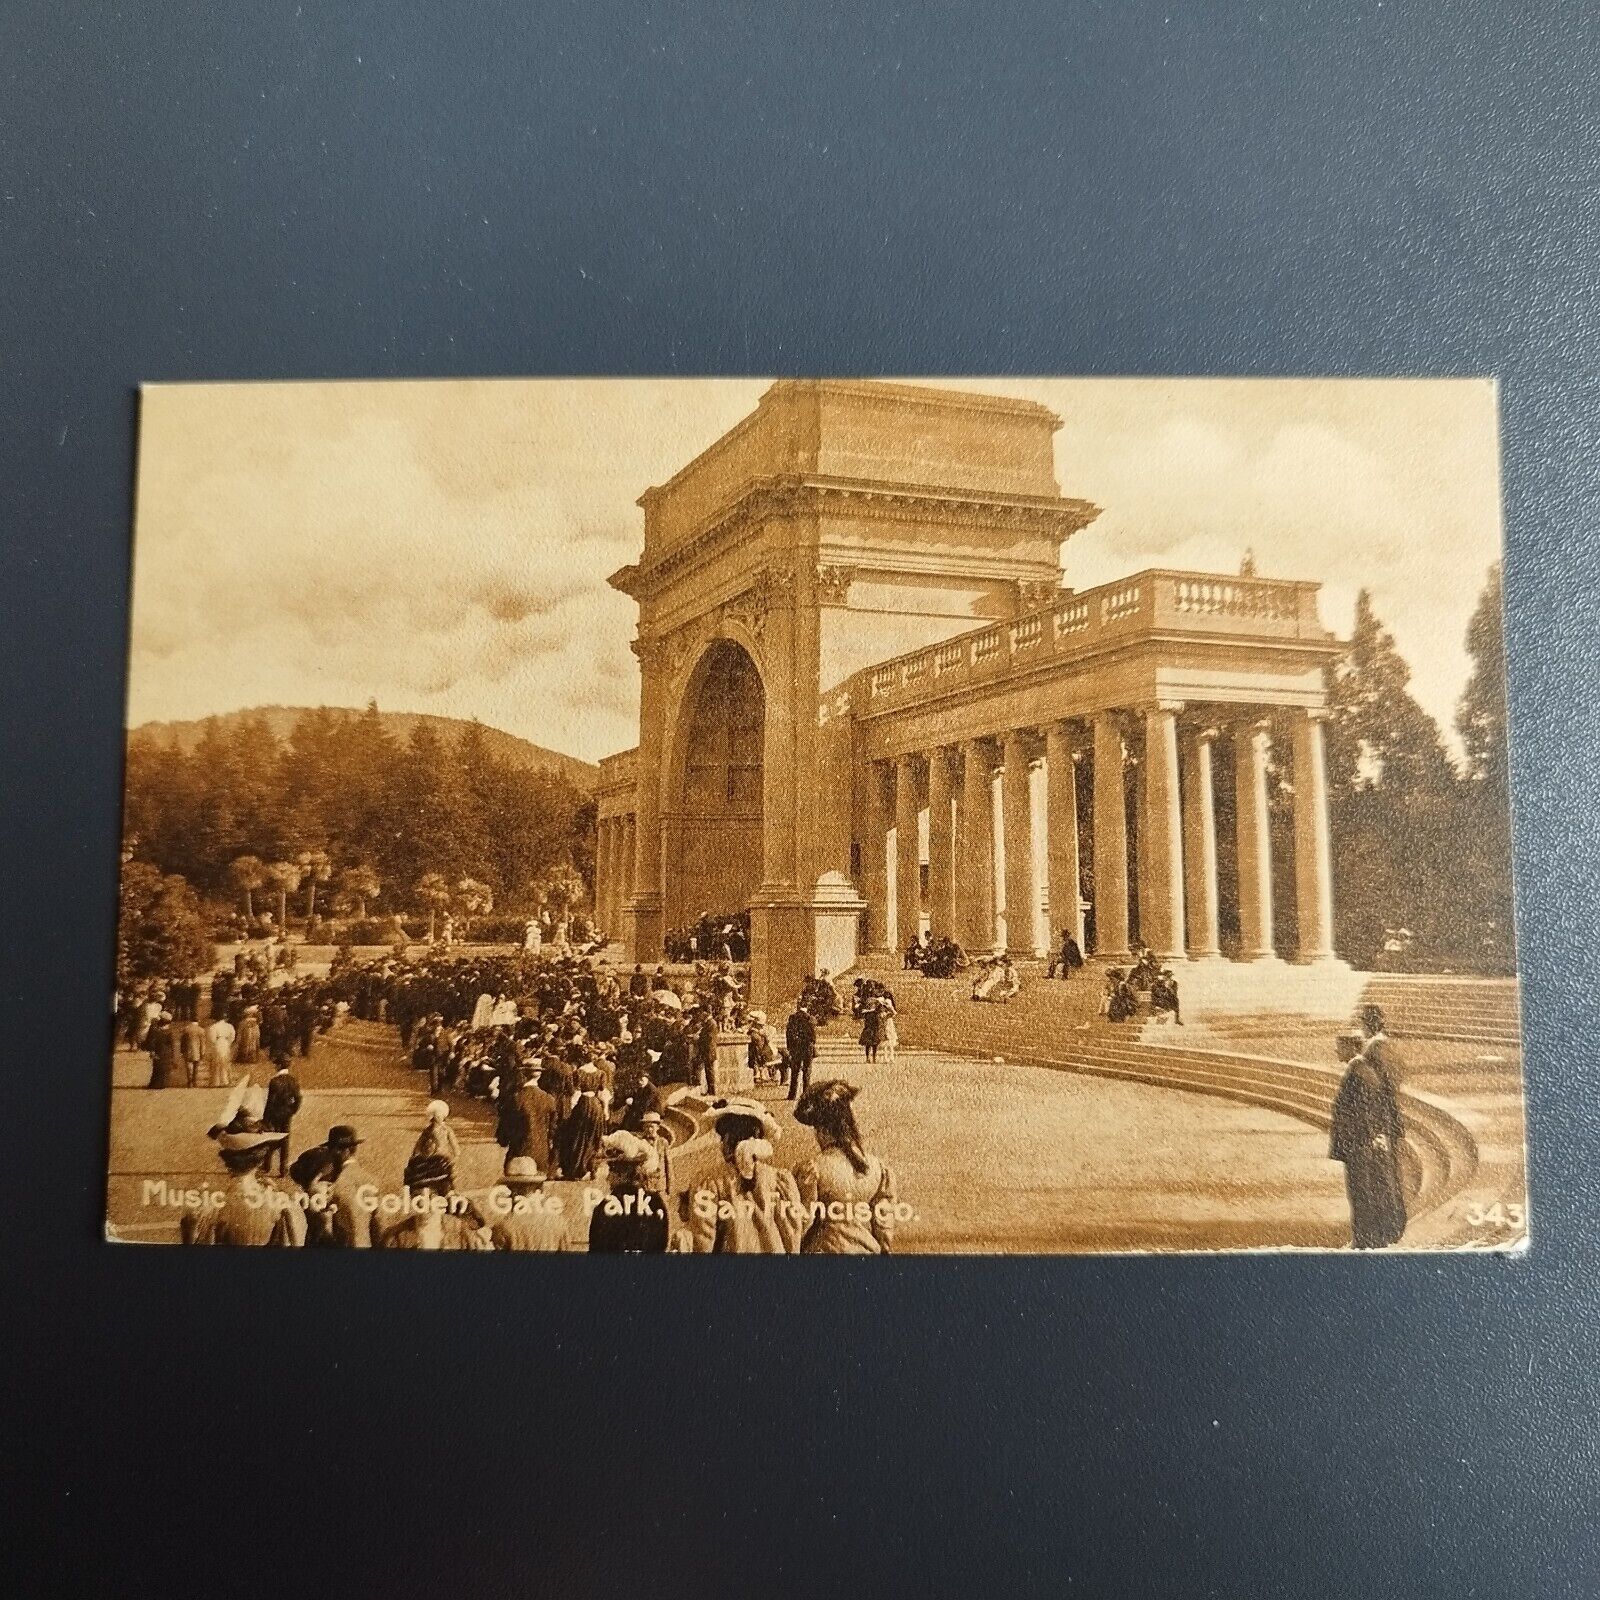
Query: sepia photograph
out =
(818, 816)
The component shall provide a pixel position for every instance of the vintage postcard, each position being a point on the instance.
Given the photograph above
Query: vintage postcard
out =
(822, 816)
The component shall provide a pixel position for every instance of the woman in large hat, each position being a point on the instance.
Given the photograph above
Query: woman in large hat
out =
(750, 1206)
(848, 1194)
(250, 1210)
(434, 1220)
(578, 1138)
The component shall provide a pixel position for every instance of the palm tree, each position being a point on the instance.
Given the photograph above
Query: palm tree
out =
(318, 869)
(434, 892)
(247, 874)
(359, 883)
(286, 875)
(476, 899)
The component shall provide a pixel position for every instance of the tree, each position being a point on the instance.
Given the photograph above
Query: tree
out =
(475, 899)
(1481, 715)
(1483, 859)
(160, 930)
(360, 884)
(318, 868)
(1377, 732)
(434, 892)
(286, 876)
(247, 874)
(560, 889)
(1393, 805)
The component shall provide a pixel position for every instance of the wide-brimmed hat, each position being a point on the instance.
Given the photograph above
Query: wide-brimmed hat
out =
(522, 1169)
(753, 1109)
(830, 1092)
(238, 1140)
(625, 1149)
(423, 1172)
(343, 1137)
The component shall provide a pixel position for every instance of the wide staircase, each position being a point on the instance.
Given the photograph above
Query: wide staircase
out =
(1058, 1024)
(1482, 1011)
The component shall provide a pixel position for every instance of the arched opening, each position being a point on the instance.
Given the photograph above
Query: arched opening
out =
(712, 824)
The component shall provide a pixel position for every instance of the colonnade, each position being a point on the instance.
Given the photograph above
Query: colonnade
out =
(615, 852)
(988, 869)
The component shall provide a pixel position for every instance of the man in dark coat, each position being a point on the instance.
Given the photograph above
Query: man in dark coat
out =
(283, 1101)
(704, 1059)
(1366, 1137)
(800, 1042)
(530, 1126)
(638, 983)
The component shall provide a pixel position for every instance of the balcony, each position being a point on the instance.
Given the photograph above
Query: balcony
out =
(1148, 605)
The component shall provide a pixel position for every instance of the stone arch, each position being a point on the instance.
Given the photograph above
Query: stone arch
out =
(712, 815)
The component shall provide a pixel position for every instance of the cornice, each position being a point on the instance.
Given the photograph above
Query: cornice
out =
(786, 496)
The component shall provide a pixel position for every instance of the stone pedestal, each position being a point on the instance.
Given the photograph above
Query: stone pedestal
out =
(733, 1064)
(793, 938)
(643, 930)
(836, 913)
(781, 946)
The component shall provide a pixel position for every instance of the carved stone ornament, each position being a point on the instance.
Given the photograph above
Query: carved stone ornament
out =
(774, 587)
(833, 583)
(1035, 593)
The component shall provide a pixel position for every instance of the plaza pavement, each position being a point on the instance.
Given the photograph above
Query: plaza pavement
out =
(992, 1156)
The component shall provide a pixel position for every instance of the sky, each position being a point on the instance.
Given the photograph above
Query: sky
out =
(444, 546)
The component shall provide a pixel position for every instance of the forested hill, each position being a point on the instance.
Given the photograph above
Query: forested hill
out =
(506, 747)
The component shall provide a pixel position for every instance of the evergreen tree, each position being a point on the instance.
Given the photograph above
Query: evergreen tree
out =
(1481, 716)
(1482, 864)
(1393, 805)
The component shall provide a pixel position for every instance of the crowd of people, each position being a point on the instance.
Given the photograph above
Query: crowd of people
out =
(711, 937)
(1146, 978)
(581, 1065)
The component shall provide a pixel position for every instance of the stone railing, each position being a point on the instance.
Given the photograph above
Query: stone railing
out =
(1155, 603)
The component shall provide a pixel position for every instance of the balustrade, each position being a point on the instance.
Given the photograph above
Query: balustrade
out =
(1164, 602)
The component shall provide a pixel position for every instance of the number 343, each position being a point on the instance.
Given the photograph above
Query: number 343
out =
(1499, 1215)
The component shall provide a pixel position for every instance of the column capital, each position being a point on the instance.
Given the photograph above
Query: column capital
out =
(1317, 714)
(1154, 707)
(1205, 733)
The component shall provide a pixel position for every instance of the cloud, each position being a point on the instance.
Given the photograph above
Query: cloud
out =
(444, 546)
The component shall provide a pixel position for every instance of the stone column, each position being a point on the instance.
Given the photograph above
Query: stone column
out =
(1062, 833)
(1162, 867)
(1022, 893)
(1110, 840)
(907, 857)
(975, 851)
(941, 844)
(605, 871)
(617, 894)
(644, 905)
(1200, 844)
(875, 856)
(1313, 864)
(1251, 743)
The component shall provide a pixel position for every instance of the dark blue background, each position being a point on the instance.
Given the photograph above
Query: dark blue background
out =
(270, 189)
